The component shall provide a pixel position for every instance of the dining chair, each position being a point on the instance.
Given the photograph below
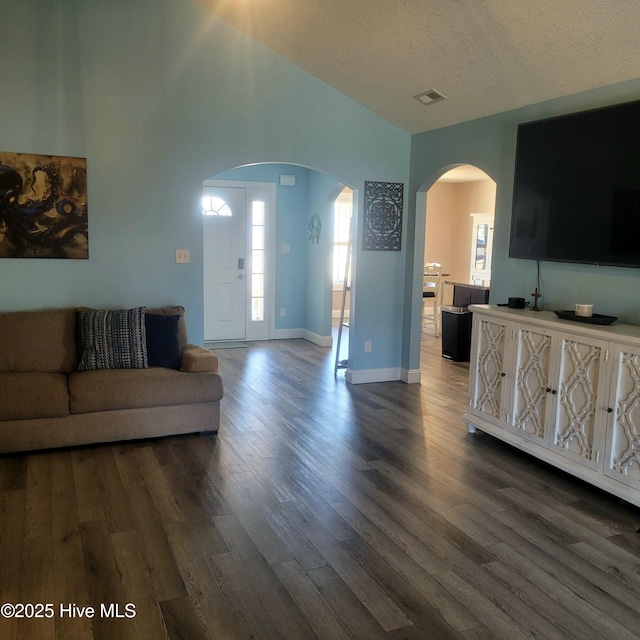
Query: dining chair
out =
(432, 284)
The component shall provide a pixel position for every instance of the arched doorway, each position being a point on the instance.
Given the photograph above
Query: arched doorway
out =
(459, 209)
(455, 203)
(297, 261)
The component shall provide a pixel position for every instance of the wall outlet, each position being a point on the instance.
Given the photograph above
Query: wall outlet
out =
(367, 346)
(183, 256)
(283, 312)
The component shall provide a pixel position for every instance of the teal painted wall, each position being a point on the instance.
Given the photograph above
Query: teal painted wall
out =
(158, 95)
(489, 143)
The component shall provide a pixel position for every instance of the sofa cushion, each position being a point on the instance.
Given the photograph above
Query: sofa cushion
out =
(91, 391)
(42, 341)
(112, 339)
(33, 395)
(163, 346)
(174, 311)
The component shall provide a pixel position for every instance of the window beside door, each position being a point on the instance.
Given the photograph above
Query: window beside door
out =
(257, 260)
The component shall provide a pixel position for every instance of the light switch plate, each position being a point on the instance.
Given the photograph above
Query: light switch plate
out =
(183, 256)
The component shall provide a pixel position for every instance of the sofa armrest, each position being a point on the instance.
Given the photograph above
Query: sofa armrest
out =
(195, 359)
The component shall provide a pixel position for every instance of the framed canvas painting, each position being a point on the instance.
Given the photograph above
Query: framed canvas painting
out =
(43, 206)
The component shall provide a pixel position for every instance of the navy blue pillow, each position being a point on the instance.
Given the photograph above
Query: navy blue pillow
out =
(163, 347)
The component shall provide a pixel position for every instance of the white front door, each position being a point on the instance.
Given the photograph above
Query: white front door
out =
(224, 260)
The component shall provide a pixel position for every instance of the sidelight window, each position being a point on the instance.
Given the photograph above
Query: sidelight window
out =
(257, 260)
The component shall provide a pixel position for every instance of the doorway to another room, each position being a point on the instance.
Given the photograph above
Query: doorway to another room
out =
(287, 266)
(460, 209)
(341, 279)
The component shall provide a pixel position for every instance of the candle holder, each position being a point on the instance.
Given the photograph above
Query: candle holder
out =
(536, 294)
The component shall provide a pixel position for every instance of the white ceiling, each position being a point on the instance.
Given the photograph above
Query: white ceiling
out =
(485, 56)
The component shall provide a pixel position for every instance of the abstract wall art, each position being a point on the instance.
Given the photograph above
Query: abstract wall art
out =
(383, 216)
(43, 206)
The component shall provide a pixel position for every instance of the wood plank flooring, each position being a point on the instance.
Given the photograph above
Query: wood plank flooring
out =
(321, 510)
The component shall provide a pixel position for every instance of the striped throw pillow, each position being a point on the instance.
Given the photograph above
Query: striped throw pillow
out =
(112, 339)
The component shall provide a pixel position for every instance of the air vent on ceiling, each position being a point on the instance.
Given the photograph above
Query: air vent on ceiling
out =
(430, 96)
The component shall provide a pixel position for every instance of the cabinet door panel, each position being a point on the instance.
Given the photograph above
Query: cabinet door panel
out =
(623, 437)
(488, 369)
(532, 374)
(580, 385)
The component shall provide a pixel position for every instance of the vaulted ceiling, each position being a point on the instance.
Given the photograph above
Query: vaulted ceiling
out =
(485, 56)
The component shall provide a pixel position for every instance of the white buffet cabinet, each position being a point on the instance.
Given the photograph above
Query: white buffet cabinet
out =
(566, 392)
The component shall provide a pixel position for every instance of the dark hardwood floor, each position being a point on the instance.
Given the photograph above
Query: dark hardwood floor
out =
(321, 510)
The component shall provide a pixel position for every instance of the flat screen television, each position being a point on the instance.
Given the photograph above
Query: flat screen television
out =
(576, 195)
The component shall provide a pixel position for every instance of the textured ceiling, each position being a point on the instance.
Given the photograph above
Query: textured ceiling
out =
(485, 56)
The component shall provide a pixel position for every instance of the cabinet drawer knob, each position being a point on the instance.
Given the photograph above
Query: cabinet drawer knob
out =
(503, 374)
(609, 410)
(553, 392)
(548, 389)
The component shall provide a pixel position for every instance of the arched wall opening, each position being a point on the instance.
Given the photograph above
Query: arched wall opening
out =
(300, 260)
(449, 205)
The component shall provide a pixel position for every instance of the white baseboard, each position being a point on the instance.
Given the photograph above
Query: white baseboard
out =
(373, 375)
(316, 338)
(288, 334)
(411, 376)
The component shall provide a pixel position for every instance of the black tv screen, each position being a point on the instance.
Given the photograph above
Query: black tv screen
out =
(576, 195)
